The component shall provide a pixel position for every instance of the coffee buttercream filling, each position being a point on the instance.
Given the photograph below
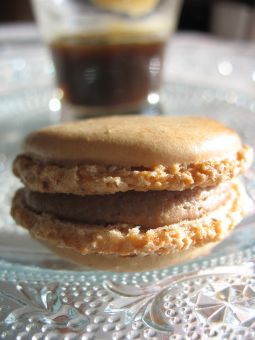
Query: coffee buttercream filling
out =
(147, 209)
(129, 240)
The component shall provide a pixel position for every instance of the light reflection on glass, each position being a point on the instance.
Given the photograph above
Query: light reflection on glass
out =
(90, 75)
(154, 66)
(225, 68)
(253, 76)
(54, 104)
(153, 98)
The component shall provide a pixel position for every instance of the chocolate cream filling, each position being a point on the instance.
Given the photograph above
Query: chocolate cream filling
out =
(148, 209)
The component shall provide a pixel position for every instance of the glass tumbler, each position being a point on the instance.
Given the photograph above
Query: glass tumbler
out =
(108, 54)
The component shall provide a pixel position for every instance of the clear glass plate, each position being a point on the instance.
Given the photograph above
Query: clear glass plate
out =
(43, 296)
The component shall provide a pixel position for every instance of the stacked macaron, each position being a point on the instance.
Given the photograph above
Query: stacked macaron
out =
(131, 192)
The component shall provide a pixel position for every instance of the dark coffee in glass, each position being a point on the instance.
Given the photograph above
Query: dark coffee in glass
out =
(108, 71)
(108, 54)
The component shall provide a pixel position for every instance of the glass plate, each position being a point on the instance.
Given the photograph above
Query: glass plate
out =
(42, 296)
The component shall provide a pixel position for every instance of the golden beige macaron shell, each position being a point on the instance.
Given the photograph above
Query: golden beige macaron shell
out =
(117, 154)
(136, 263)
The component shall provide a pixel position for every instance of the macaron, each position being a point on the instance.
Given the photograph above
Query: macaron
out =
(131, 193)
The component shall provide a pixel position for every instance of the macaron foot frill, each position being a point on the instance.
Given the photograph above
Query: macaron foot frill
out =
(85, 179)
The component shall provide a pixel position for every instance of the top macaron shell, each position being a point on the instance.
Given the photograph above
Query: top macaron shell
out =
(134, 141)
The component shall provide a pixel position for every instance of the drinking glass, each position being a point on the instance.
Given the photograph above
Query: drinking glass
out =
(108, 54)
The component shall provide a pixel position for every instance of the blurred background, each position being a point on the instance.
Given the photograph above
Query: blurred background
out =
(232, 19)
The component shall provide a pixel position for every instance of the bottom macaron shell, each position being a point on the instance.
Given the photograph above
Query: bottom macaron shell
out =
(137, 263)
(128, 240)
